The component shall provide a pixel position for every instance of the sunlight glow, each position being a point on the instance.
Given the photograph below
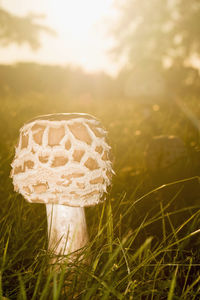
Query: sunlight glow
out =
(80, 25)
(83, 35)
(77, 17)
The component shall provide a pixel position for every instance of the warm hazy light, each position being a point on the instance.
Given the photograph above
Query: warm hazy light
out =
(77, 17)
(82, 34)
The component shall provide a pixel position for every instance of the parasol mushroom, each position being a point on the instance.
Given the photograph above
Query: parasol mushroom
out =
(62, 160)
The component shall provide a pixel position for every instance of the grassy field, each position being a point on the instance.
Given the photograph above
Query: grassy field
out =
(144, 240)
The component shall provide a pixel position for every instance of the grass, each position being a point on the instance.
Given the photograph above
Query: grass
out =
(144, 240)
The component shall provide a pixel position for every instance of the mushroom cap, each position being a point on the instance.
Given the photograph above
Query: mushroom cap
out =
(62, 159)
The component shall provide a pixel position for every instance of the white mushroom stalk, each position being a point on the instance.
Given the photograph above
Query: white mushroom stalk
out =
(62, 160)
(67, 229)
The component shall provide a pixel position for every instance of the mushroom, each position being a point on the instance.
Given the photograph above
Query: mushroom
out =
(62, 160)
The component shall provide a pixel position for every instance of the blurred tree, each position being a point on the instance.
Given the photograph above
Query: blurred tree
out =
(159, 35)
(14, 29)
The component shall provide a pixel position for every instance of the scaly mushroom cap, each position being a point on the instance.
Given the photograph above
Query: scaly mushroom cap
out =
(62, 159)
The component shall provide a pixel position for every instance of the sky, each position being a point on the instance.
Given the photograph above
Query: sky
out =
(82, 33)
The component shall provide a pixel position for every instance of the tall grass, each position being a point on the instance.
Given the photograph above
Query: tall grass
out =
(144, 240)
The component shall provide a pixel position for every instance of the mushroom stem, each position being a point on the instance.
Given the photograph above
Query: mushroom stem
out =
(67, 228)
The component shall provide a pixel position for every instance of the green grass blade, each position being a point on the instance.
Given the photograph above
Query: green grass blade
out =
(172, 286)
(109, 227)
(37, 284)
(197, 281)
(1, 287)
(46, 287)
(22, 295)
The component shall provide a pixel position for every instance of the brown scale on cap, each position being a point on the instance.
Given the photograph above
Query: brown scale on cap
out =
(24, 141)
(80, 132)
(68, 145)
(18, 170)
(27, 189)
(75, 194)
(43, 159)
(56, 135)
(61, 183)
(21, 169)
(40, 188)
(105, 155)
(73, 175)
(29, 164)
(90, 194)
(95, 130)
(80, 185)
(56, 192)
(97, 180)
(91, 164)
(38, 131)
(78, 154)
(59, 161)
(99, 149)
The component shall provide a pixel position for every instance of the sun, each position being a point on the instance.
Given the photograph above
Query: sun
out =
(77, 17)
(81, 26)
(82, 34)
